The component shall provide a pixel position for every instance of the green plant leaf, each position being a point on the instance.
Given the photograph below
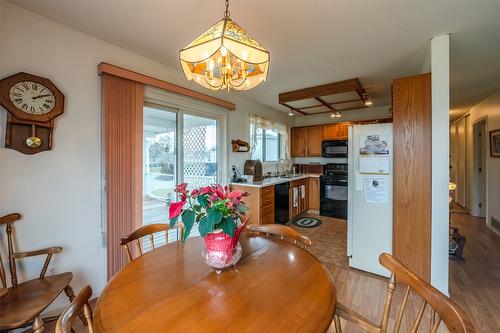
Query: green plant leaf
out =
(242, 208)
(203, 200)
(228, 226)
(188, 217)
(214, 215)
(197, 208)
(204, 227)
(173, 221)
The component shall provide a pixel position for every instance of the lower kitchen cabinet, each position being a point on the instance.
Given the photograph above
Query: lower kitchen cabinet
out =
(298, 189)
(313, 193)
(260, 203)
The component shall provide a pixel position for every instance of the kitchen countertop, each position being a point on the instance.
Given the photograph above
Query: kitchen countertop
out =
(276, 180)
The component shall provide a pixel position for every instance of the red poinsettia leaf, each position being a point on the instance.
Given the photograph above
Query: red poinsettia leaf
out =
(235, 194)
(175, 209)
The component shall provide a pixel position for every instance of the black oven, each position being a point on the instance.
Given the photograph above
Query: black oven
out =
(333, 191)
(334, 148)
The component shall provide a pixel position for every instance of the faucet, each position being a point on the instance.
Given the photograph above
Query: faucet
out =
(278, 164)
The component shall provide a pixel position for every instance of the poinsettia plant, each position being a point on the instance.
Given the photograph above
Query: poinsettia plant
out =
(212, 207)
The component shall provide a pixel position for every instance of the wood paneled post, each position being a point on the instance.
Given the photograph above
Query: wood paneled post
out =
(123, 116)
(412, 115)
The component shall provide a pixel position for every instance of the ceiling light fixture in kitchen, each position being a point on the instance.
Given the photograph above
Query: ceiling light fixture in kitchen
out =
(225, 57)
(290, 113)
(335, 114)
(366, 98)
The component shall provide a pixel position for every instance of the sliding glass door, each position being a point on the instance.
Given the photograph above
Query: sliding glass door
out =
(159, 163)
(177, 147)
(199, 151)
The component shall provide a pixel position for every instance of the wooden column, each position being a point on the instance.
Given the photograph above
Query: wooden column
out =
(123, 116)
(412, 111)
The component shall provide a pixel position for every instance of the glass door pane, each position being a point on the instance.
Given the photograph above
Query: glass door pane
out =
(159, 166)
(200, 151)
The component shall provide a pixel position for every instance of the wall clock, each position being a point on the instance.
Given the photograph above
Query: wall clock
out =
(32, 103)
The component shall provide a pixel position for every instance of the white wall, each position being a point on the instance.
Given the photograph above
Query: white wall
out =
(489, 108)
(440, 68)
(59, 192)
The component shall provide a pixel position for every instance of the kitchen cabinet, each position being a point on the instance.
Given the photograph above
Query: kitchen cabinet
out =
(306, 141)
(314, 139)
(260, 203)
(300, 206)
(313, 193)
(298, 141)
(336, 131)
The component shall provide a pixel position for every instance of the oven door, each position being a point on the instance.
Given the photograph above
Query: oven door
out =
(333, 197)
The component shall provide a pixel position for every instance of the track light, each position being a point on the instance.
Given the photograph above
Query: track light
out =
(290, 113)
(335, 114)
(367, 99)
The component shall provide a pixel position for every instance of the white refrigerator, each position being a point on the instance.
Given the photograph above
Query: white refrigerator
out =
(369, 216)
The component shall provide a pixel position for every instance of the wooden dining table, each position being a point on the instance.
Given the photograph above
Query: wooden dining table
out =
(275, 287)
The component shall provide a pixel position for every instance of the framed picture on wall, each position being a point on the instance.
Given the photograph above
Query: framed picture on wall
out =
(495, 143)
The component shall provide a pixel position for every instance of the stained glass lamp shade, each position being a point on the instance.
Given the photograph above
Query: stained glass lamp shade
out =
(225, 57)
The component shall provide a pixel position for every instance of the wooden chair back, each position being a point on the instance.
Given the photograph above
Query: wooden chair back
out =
(8, 220)
(283, 232)
(442, 308)
(79, 304)
(147, 230)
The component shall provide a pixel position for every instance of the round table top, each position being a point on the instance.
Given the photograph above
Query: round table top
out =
(275, 287)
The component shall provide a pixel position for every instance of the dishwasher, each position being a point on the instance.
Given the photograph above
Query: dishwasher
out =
(281, 203)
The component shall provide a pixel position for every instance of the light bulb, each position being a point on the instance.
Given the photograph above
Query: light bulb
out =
(290, 113)
(368, 102)
(223, 51)
(211, 65)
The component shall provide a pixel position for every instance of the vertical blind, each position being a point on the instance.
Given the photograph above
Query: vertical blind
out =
(123, 112)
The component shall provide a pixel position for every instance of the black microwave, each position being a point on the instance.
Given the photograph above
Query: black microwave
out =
(334, 148)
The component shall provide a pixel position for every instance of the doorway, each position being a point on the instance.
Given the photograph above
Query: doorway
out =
(178, 147)
(479, 168)
(462, 191)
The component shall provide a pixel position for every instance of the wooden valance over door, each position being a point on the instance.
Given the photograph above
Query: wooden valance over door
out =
(123, 112)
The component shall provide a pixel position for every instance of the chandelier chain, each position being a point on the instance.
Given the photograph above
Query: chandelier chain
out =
(226, 12)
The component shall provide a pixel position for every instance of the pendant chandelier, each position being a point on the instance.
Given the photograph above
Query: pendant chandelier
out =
(225, 57)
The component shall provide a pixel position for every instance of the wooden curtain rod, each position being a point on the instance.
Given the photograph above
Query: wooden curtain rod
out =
(105, 68)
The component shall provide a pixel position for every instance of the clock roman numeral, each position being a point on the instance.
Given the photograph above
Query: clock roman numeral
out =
(26, 86)
(25, 106)
(17, 94)
(34, 86)
(18, 100)
(45, 105)
(48, 101)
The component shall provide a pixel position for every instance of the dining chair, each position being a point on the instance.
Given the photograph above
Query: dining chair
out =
(80, 304)
(23, 302)
(148, 230)
(442, 308)
(283, 232)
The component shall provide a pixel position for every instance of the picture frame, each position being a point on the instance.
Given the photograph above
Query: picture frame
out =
(495, 143)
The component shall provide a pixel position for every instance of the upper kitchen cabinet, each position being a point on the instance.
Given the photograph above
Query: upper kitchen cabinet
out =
(314, 139)
(336, 131)
(298, 141)
(306, 141)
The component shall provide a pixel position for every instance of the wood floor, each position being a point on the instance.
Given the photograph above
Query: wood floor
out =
(474, 284)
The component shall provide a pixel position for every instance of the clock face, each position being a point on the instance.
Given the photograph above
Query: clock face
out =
(32, 97)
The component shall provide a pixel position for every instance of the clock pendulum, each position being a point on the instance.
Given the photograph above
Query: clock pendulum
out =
(33, 141)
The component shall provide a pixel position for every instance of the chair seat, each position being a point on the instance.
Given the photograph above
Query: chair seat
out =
(25, 302)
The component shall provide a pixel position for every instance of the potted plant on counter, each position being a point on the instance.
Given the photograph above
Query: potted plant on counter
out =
(217, 211)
